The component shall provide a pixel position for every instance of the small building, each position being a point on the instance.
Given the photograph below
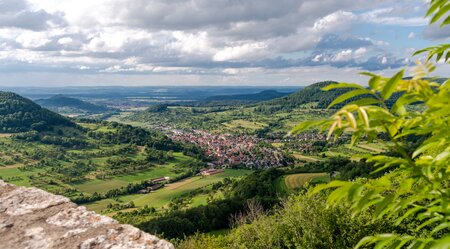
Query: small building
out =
(209, 172)
(150, 188)
(160, 179)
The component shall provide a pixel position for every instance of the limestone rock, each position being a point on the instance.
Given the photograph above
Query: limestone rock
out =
(31, 218)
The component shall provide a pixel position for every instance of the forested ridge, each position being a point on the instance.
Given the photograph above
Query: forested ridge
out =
(61, 101)
(19, 114)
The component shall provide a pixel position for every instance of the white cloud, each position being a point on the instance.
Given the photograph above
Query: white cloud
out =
(202, 37)
(383, 16)
(248, 50)
(31, 39)
(65, 40)
(335, 22)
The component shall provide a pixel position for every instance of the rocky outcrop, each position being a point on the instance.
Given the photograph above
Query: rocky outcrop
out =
(34, 219)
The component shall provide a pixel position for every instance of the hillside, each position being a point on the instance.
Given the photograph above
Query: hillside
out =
(243, 98)
(19, 114)
(61, 103)
(309, 94)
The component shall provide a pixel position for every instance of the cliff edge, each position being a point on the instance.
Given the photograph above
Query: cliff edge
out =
(34, 219)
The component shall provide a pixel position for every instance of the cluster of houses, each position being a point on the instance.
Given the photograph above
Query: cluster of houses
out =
(232, 150)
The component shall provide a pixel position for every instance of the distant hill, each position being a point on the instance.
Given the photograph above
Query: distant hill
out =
(64, 104)
(19, 114)
(238, 99)
(309, 94)
(261, 96)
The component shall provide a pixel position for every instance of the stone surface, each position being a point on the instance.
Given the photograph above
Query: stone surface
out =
(31, 218)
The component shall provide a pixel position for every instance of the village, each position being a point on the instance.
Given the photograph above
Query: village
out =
(233, 151)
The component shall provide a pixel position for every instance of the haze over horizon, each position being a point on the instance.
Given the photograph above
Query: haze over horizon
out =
(51, 43)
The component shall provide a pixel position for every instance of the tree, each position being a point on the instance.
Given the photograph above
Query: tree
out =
(417, 189)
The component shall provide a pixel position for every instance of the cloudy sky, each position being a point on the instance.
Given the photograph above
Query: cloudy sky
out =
(208, 42)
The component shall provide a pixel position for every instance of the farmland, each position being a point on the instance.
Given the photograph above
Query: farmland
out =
(162, 197)
(295, 181)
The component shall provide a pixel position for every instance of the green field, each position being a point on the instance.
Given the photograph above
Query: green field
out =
(163, 196)
(102, 186)
(294, 181)
(240, 123)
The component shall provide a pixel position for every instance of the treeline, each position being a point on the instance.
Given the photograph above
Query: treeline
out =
(54, 138)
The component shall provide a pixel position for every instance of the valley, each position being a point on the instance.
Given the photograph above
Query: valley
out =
(179, 163)
(104, 164)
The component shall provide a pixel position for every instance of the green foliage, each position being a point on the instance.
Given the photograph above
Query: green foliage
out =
(418, 189)
(308, 94)
(18, 114)
(302, 222)
(241, 99)
(438, 9)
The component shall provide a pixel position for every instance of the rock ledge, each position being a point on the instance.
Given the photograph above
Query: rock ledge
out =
(31, 218)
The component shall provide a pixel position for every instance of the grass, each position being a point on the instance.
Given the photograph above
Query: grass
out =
(7, 172)
(320, 179)
(298, 180)
(240, 123)
(280, 185)
(305, 158)
(102, 186)
(199, 200)
(164, 196)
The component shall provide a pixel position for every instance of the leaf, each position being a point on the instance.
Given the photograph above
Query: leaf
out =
(443, 10)
(408, 213)
(423, 148)
(331, 130)
(341, 85)
(351, 119)
(446, 21)
(429, 222)
(442, 156)
(365, 101)
(390, 86)
(355, 191)
(382, 207)
(363, 115)
(374, 82)
(442, 243)
(365, 241)
(440, 227)
(307, 125)
(332, 184)
(349, 95)
(434, 6)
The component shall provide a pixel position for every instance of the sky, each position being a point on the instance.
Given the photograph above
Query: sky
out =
(209, 42)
